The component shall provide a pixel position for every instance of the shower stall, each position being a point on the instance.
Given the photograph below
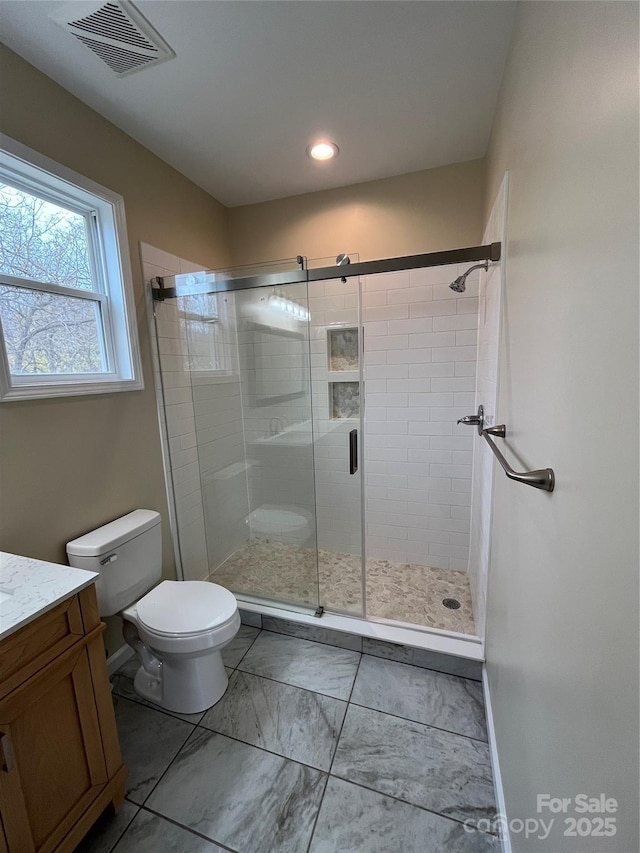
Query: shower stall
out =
(313, 461)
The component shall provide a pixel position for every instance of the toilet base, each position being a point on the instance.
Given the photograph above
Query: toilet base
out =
(187, 686)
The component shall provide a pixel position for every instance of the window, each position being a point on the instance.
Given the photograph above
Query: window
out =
(67, 320)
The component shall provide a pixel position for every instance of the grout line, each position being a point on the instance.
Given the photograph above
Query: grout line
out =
(119, 839)
(428, 668)
(188, 829)
(285, 684)
(264, 749)
(415, 805)
(417, 722)
(166, 770)
(145, 703)
(345, 714)
(314, 640)
(249, 646)
(288, 684)
(315, 823)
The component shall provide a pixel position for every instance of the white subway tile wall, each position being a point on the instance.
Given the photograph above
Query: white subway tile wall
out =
(419, 374)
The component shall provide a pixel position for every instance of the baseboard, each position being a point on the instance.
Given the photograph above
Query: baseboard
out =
(495, 766)
(122, 655)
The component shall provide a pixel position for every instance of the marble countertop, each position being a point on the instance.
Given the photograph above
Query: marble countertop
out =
(28, 588)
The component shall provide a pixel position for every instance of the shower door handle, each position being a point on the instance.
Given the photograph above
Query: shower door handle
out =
(353, 451)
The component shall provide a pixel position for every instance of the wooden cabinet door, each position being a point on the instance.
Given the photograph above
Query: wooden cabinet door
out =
(51, 759)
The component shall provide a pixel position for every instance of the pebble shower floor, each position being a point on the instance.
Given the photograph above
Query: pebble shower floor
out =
(404, 592)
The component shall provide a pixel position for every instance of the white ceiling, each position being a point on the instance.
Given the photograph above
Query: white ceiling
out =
(399, 86)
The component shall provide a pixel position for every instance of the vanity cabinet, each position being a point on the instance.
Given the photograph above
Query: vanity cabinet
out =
(60, 762)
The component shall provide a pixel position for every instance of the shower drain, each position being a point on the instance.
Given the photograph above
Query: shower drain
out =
(451, 603)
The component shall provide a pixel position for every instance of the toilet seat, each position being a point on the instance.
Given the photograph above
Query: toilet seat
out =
(185, 608)
(185, 616)
(271, 521)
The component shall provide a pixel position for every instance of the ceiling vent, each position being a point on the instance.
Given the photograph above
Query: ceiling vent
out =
(116, 32)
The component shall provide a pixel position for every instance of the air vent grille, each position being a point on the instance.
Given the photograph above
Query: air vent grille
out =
(117, 58)
(116, 32)
(111, 22)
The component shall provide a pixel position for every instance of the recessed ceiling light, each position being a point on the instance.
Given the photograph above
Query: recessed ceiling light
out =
(323, 150)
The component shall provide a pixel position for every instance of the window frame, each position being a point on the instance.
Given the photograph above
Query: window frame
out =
(110, 262)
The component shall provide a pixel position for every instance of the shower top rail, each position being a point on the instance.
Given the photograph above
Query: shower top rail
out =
(469, 254)
(542, 478)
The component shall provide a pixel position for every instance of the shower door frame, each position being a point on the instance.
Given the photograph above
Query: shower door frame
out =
(217, 283)
(469, 254)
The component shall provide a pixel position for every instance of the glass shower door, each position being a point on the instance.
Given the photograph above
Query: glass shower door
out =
(336, 381)
(248, 351)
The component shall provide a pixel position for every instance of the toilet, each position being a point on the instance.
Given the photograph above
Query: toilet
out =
(289, 525)
(176, 628)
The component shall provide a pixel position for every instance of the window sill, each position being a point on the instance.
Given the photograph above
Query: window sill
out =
(67, 389)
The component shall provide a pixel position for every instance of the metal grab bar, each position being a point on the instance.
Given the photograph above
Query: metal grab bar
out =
(542, 478)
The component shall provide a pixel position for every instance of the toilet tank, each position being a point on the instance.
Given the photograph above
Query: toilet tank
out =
(126, 553)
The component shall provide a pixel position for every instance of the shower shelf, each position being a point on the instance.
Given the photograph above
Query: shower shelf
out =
(344, 400)
(342, 349)
(343, 373)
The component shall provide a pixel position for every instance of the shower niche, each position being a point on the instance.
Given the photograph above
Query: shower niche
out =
(344, 401)
(342, 349)
(343, 366)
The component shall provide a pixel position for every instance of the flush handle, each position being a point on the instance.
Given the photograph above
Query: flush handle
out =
(110, 559)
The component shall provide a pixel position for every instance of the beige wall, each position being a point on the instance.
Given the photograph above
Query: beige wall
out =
(421, 212)
(562, 624)
(69, 465)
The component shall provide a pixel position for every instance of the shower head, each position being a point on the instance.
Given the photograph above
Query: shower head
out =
(460, 284)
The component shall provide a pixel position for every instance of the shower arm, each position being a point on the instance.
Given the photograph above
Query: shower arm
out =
(482, 266)
(541, 478)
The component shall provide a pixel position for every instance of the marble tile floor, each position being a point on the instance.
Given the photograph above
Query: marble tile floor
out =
(314, 748)
(404, 592)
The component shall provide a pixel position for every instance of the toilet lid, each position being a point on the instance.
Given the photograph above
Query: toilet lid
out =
(186, 607)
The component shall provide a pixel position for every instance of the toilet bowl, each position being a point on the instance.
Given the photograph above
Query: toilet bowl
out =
(184, 625)
(176, 628)
(289, 525)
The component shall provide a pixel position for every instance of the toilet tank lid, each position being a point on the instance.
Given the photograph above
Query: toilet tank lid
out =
(113, 534)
